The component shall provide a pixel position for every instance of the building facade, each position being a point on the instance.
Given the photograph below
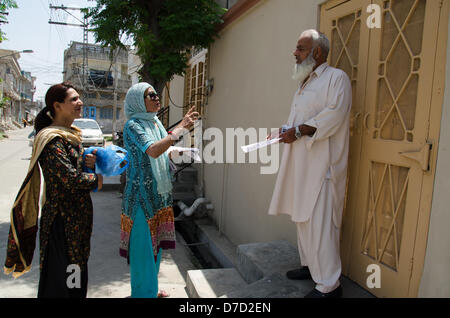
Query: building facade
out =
(395, 52)
(27, 89)
(103, 85)
(17, 89)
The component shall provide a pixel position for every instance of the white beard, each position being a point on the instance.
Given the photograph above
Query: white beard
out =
(301, 71)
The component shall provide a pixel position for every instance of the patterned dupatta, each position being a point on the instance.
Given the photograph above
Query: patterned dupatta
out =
(25, 211)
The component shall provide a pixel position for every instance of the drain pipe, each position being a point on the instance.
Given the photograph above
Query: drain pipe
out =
(188, 211)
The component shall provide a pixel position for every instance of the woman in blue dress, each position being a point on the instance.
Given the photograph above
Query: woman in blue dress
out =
(147, 221)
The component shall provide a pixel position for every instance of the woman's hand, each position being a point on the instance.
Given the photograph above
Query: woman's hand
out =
(159, 147)
(186, 123)
(188, 120)
(174, 154)
(90, 159)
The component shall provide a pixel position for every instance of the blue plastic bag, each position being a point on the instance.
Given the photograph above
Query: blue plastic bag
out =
(111, 160)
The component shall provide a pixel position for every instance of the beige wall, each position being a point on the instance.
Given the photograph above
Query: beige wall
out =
(436, 274)
(251, 65)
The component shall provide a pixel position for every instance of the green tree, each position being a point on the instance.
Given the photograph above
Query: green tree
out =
(163, 31)
(4, 101)
(5, 5)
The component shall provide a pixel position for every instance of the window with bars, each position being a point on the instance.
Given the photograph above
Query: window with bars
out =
(194, 91)
(107, 113)
(165, 105)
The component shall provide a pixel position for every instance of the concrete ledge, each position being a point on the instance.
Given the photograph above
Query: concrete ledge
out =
(220, 247)
(212, 283)
(111, 183)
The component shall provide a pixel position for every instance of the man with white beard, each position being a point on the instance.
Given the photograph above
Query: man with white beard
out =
(312, 178)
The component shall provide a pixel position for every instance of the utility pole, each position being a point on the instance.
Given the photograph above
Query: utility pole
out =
(116, 80)
(84, 24)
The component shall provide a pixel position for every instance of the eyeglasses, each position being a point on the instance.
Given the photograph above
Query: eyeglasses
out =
(152, 96)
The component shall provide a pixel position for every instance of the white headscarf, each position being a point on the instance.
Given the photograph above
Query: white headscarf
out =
(135, 109)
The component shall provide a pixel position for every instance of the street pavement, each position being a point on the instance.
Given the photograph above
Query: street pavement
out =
(108, 272)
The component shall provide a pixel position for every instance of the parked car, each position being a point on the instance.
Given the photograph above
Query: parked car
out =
(92, 134)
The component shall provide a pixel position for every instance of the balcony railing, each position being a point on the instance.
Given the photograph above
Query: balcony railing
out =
(122, 85)
(25, 97)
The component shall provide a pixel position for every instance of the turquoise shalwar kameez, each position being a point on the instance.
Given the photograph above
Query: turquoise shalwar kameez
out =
(147, 222)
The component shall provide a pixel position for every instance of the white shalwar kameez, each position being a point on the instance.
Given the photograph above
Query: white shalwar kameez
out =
(312, 177)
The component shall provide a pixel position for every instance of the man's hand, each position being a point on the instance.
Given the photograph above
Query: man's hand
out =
(274, 134)
(90, 159)
(288, 136)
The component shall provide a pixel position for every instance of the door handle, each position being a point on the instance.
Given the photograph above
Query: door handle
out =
(365, 123)
(353, 121)
(422, 156)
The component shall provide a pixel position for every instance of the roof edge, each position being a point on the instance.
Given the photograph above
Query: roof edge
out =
(241, 7)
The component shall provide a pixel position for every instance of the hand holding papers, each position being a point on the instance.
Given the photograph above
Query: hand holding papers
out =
(259, 145)
(190, 152)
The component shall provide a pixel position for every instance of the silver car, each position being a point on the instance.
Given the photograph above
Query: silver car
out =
(92, 134)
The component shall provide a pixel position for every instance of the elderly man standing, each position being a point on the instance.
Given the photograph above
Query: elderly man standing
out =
(312, 178)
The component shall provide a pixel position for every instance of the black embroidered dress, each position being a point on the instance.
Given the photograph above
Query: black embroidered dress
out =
(66, 215)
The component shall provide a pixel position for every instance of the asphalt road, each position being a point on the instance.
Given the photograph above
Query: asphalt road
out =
(15, 156)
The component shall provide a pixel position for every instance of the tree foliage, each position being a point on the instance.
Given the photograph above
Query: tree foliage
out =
(163, 31)
(5, 5)
(4, 101)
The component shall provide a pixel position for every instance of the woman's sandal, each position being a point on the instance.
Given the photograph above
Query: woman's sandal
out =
(163, 294)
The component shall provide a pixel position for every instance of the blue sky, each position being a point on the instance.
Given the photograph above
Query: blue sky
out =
(28, 28)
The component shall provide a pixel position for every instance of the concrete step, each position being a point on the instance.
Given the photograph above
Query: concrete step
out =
(264, 267)
(277, 285)
(257, 260)
(261, 266)
(213, 283)
(187, 197)
(185, 187)
(187, 175)
(274, 285)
